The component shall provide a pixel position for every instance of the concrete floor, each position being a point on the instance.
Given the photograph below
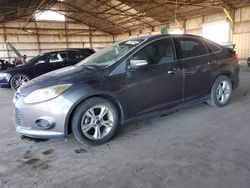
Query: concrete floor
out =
(200, 146)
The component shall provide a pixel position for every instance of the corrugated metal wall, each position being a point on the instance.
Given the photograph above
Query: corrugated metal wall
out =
(40, 37)
(46, 36)
(241, 33)
(242, 44)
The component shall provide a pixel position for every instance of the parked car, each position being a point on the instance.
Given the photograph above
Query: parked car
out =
(130, 80)
(41, 64)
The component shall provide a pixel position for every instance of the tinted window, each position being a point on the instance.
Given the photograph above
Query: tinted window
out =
(36, 59)
(75, 55)
(57, 57)
(158, 52)
(212, 46)
(190, 47)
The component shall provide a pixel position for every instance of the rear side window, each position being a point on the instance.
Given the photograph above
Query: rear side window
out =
(76, 55)
(63, 55)
(190, 47)
(57, 57)
(212, 46)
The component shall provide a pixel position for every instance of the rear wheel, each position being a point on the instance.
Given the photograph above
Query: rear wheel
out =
(18, 80)
(221, 92)
(95, 121)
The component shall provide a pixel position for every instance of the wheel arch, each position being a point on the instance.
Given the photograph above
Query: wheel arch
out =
(108, 97)
(227, 74)
(15, 74)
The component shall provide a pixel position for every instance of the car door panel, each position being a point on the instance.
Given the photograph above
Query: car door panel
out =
(42, 66)
(198, 67)
(197, 74)
(155, 86)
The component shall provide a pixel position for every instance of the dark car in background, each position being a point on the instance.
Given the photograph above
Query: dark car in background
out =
(41, 64)
(130, 80)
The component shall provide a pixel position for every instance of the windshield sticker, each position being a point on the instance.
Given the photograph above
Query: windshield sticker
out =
(132, 42)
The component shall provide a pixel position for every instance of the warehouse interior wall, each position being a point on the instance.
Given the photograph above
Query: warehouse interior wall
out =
(39, 37)
(240, 29)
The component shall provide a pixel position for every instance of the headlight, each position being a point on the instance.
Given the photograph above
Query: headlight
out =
(3, 75)
(45, 94)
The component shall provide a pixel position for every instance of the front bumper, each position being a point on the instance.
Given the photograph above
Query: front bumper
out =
(55, 111)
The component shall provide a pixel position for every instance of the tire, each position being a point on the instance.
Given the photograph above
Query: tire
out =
(221, 92)
(17, 80)
(88, 118)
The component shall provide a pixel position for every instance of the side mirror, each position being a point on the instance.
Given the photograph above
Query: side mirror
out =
(40, 62)
(134, 64)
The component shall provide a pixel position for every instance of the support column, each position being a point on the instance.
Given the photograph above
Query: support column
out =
(66, 34)
(232, 14)
(38, 39)
(90, 38)
(184, 26)
(5, 38)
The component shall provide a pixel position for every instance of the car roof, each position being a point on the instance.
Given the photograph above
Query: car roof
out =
(65, 50)
(152, 37)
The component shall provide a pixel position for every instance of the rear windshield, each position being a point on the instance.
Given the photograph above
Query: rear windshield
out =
(212, 46)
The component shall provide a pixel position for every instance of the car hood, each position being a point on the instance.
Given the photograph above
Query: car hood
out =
(11, 69)
(67, 75)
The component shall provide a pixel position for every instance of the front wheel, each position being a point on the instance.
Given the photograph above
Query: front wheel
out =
(95, 121)
(221, 92)
(18, 80)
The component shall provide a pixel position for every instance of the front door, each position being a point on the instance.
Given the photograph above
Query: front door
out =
(42, 66)
(157, 85)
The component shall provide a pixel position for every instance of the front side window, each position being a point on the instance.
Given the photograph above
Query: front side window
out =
(111, 54)
(36, 59)
(190, 47)
(158, 52)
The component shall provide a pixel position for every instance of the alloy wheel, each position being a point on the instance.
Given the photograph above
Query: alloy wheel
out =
(19, 80)
(97, 122)
(223, 91)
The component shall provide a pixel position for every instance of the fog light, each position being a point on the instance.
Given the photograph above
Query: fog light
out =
(44, 124)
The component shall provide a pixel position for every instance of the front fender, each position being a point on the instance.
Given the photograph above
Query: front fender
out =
(82, 94)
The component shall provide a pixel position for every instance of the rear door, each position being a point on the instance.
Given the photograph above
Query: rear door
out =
(197, 66)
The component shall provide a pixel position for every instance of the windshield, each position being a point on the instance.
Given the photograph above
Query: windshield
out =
(34, 59)
(109, 55)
